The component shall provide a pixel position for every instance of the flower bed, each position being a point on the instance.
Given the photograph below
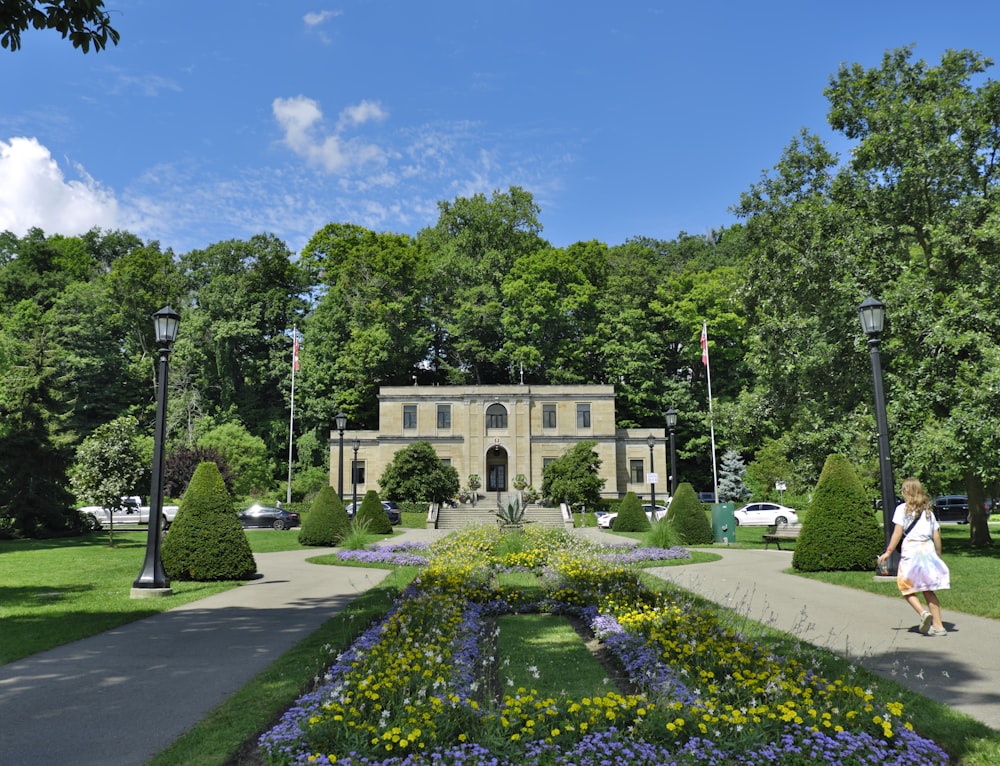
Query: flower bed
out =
(416, 687)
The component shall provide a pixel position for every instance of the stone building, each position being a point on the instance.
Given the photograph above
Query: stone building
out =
(499, 433)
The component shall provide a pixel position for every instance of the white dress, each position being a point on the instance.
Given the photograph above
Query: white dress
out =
(920, 567)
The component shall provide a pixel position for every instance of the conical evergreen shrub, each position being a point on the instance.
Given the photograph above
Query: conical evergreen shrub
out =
(687, 514)
(631, 517)
(206, 541)
(840, 532)
(327, 522)
(372, 515)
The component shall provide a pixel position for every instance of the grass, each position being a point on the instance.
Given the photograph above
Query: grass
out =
(533, 652)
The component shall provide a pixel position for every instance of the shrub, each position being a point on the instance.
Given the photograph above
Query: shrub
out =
(839, 533)
(416, 473)
(327, 522)
(631, 517)
(662, 534)
(687, 515)
(372, 516)
(206, 541)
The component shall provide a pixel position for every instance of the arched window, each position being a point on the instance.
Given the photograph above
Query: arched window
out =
(496, 416)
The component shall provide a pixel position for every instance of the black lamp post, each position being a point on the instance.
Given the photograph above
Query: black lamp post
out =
(651, 441)
(671, 425)
(354, 475)
(152, 580)
(872, 315)
(341, 420)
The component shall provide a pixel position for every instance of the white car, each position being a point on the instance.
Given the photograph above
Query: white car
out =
(764, 515)
(653, 513)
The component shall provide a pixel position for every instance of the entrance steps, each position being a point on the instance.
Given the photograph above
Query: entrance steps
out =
(485, 509)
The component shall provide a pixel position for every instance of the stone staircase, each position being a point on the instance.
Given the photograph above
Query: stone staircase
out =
(484, 512)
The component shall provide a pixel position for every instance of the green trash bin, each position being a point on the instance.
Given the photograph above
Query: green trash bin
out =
(723, 523)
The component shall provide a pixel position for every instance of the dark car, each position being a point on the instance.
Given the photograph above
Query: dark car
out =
(706, 497)
(268, 516)
(951, 508)
(391, 510)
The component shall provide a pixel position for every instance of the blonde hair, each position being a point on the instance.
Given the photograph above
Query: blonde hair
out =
(916, 498)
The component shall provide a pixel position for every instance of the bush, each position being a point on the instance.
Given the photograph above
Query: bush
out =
(371, 515)
(631, 517)
(839, 533)
(687, 515)
(206, 541)
(662, 534)
(327, 522)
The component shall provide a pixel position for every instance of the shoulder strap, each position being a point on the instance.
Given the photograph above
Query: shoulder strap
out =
(912, 525)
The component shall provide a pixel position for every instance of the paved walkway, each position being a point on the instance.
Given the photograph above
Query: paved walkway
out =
(125, 695)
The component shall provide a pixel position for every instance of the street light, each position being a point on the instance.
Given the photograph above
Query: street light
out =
(152, 580)
(341, 420)
(354, 475)
(651, 441)
(872, 315)
(671, 424)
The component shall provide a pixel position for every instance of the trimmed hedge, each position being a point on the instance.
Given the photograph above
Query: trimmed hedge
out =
(687, 514)
(327, 522)
(372, 515)
(206, 542)
(840, 532)
(631, 517)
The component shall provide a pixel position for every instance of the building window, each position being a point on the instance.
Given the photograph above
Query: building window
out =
(548, 416)
(445, 461)
(496, 416)
(409, 416)
(357, 471)
(444, 416)
(583, 416)
(547, 461)
(635, 469)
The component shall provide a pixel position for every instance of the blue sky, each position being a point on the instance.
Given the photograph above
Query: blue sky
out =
(222, 119)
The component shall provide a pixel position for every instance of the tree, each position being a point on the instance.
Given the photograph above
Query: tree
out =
(416, 474)
(183, 461)
(731, 473)
(109, 464)
(245, 454)
(206, 542)
(840, 532)
(85, 23)
(574, 477)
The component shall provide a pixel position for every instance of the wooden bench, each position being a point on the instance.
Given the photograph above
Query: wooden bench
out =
(781, 532)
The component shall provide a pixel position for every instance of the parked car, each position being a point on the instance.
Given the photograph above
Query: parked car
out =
(951, 508)
(391, 510)
(706, 497)
(268, 516)
(607, 521)
(764, 515)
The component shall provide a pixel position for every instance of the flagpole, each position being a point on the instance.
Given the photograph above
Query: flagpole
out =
(711, 420)
(291, 418)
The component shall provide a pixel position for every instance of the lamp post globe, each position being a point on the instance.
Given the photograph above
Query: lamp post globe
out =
(152, 579)
(341, 420)
(871, 313)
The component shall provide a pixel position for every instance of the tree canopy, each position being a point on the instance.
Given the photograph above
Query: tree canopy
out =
(84, 22)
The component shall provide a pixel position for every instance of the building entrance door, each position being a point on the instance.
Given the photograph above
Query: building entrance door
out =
(496, 470)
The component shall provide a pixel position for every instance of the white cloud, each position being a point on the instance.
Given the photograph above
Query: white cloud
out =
(301, 119)
(314, 18)
(35, 193)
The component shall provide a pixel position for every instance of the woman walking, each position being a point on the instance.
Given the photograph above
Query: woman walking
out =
(921, 568)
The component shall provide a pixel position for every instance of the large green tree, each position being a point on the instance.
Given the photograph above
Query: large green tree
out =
(84, 22)
(574, 477)
(416, 474)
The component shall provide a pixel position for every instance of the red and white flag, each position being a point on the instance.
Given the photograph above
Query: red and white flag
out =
(704, 343)
(295, 353)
